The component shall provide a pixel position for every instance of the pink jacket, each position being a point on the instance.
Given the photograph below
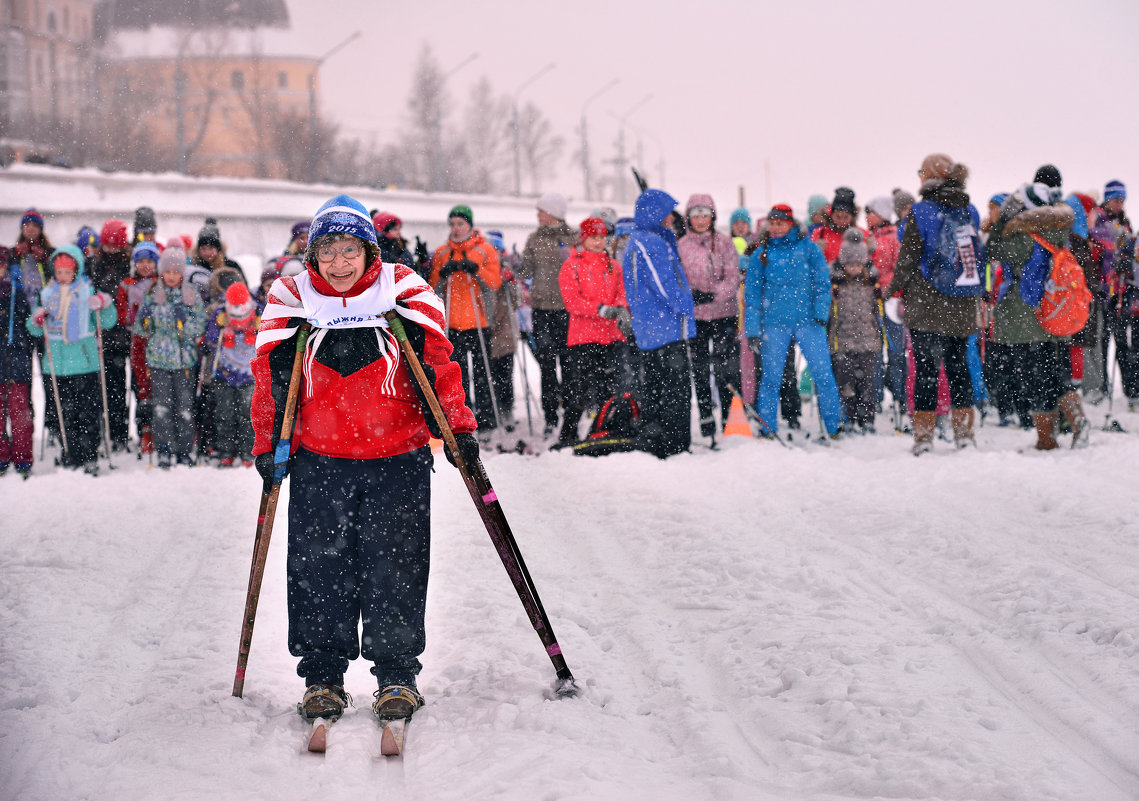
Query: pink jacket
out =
(587, 281)
(712, 264)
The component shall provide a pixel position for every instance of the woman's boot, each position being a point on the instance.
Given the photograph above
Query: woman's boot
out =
(1045, 430)
(924, 424)
(1074, 412)
(963, 427)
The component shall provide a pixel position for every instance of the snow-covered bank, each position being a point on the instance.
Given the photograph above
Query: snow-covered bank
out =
(749, 623)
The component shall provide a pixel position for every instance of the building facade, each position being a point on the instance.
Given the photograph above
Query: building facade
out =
(46, 63)
(216, 104)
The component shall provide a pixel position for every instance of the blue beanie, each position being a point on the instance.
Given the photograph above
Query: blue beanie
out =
(1114, 189)
(496, 240)
(343, 215)
(87, 238)
(625, 226)
(999, 198)
(145, 250)
(741, 214)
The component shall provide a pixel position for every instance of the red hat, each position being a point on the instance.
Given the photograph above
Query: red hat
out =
(1087, 201)
(238, 302)
(781, 211)
(385, 220)
(114, 234)
(594, 226)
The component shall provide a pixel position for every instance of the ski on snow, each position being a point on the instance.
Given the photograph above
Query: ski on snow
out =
(392, 734)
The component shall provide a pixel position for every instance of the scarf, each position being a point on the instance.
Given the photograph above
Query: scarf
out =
(68, 310)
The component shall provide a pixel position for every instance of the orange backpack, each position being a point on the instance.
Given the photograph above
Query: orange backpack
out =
(1066, 304)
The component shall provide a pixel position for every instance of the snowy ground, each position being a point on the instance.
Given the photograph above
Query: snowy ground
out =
(750, 623)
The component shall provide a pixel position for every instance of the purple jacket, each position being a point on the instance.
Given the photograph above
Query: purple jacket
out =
(712, 264)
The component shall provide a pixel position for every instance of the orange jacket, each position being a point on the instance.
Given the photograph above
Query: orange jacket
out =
(455, 289)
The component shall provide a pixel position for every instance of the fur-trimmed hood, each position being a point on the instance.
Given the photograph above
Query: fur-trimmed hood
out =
(1056, 217)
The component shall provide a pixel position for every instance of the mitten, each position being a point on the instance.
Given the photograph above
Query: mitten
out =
(608, 312)
(468, 447)
(265, 467)
(99, 301)
(699, 297)
(468, 266)
(38, 317)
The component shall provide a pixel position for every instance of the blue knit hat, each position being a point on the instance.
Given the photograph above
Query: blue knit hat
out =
(145, 250)
(343, 215)
(1114, 189)
(999, 198)
(741, 214)
(496, 240)
(87, 238)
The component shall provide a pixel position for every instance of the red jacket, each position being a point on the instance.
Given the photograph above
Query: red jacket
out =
(588, 280)
(357, 400)
(830, 241)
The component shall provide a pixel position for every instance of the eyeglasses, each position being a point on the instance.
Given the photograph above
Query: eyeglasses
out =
(328, 253)
(700, 211)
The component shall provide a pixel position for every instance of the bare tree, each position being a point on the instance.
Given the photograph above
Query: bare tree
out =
(539, 146)
(486, 136)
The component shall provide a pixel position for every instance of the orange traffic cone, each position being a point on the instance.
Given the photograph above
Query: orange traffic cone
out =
(737, 424)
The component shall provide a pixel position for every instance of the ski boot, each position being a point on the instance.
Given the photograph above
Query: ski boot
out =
(323, 701)
(396, 701)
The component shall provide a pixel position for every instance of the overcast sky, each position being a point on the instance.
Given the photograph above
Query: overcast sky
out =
(787, 99)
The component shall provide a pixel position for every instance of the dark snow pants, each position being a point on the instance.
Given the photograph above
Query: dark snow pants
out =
(666, 400)
(359, 552)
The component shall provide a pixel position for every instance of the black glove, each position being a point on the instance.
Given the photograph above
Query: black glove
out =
(468, 266)
(265, 466)
(468, 447)
(699, 297)
(421, 254)
(608, 312)
(755, 345)
(447, 269)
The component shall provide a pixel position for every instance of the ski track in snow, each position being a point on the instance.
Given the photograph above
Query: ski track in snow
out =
(746, 623)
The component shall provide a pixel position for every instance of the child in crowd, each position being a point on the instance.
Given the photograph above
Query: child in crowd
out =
(15, 374)
(172, 319)
(593, 290)
(227, 350)
(856, 339)
(132, 291)
(70, 312)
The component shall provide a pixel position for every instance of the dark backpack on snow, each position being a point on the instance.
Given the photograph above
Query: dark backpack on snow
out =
(615, 428)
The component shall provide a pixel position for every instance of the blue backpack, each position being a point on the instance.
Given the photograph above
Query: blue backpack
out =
(955, 266)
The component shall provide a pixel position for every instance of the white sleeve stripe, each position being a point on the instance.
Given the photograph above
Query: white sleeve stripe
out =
(651, 268)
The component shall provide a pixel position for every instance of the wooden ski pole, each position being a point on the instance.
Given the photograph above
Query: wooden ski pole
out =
(268, 511)
(486, 501)
(103, 388)
(55, 394)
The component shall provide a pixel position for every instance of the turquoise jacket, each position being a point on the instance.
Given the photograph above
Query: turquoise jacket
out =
(72, 335)
(791, 290)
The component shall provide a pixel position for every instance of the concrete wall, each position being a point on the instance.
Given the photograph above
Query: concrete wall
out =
(254, 215)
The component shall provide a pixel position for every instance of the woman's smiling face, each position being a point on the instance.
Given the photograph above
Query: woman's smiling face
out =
(341, 263)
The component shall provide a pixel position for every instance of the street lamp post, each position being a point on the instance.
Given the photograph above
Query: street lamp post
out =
(437, 146)
(312, 156)
(621, 161)
(660, 181)
(517, 150)
(585, 138)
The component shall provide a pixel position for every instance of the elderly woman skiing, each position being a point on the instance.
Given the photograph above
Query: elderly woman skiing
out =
(359, 506)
